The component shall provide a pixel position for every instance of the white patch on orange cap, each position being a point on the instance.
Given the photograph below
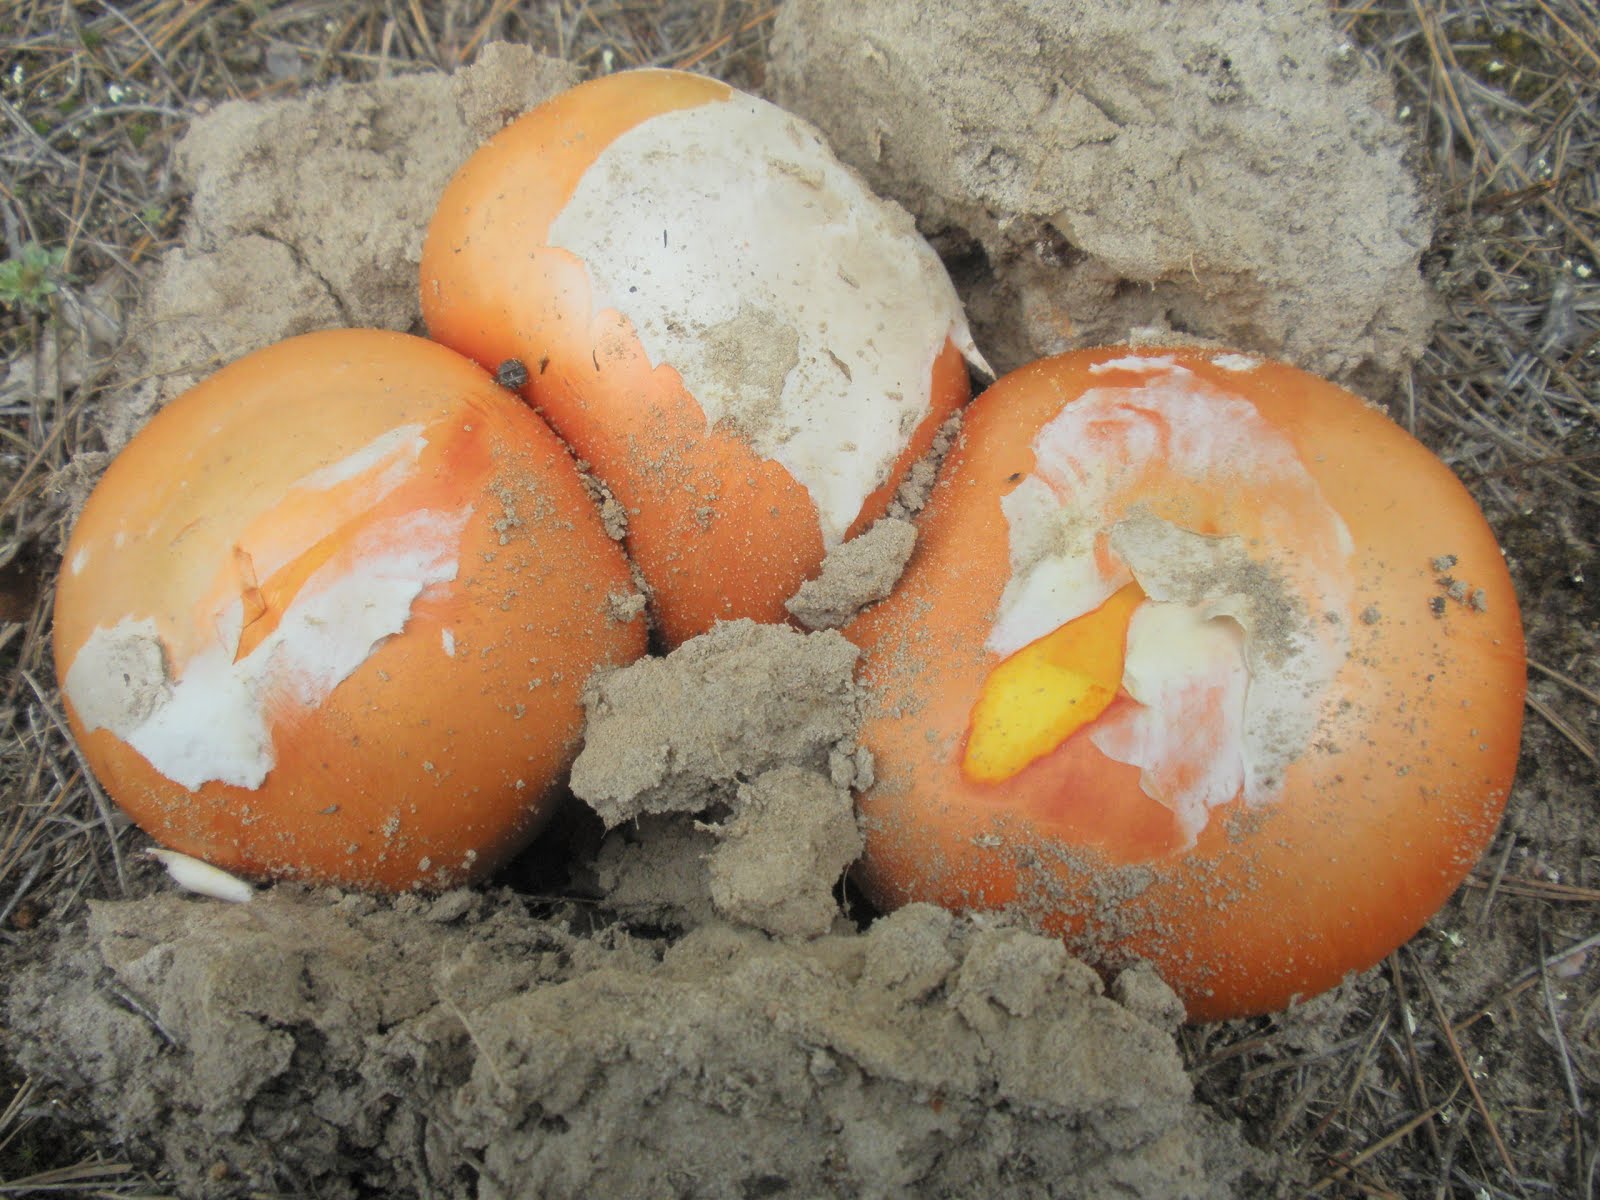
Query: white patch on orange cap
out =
(1145, 364)
(1231, 654)
(211, 720)
(208, 718)
(798, 308)
(1236, 362)
(1187, 672)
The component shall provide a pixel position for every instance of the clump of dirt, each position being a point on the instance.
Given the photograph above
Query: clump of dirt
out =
(315, 1043)
(1228, 170)
(857, 573)
(309, 214)
(741, 745)
(678, 734)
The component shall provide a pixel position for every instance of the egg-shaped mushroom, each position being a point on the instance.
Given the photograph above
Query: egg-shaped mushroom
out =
(1199, 659)
(748, 346)
(328, 616)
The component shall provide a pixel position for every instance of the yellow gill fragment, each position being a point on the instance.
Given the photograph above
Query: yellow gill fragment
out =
(1048, 690)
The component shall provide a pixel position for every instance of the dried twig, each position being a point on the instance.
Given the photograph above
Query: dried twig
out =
(1565, 728)
(1466, 1072)
(1565, 1056)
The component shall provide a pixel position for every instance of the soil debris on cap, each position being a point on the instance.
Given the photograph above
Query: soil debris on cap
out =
(857, 573)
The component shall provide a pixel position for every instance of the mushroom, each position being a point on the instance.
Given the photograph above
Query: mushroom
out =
(329, 614)
(749, 347)
(1199, 659)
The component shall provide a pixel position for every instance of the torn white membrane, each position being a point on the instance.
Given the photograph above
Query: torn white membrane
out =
(1230, 656)
(210, 718)
(799, 309)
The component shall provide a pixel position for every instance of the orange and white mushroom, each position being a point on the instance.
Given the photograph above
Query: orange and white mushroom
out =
(748, 346)
(1200, 659)
(329, 614)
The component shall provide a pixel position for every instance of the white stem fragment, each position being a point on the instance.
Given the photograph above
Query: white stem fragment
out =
(192, 875)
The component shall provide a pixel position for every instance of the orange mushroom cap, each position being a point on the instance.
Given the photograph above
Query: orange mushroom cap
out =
(328, 616)
(748, 347)
(1199, 659)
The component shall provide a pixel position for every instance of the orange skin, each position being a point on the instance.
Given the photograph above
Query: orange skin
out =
(421, 768)
(717, 531)
(1381, 816)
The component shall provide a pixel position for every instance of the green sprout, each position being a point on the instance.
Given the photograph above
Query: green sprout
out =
(28, 280)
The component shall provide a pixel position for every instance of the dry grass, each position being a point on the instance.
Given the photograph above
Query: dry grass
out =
(1470, 1065)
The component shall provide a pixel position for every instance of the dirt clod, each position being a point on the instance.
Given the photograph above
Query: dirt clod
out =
(339, 1046)
(1222, 169)
(309, 214)
(679, 734)
(859, 572)
(793, 836)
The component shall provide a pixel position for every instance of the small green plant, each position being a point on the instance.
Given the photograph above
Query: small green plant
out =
(28, 280)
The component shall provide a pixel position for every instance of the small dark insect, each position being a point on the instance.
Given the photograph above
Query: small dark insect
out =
(511, 374)
(1014, 476)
